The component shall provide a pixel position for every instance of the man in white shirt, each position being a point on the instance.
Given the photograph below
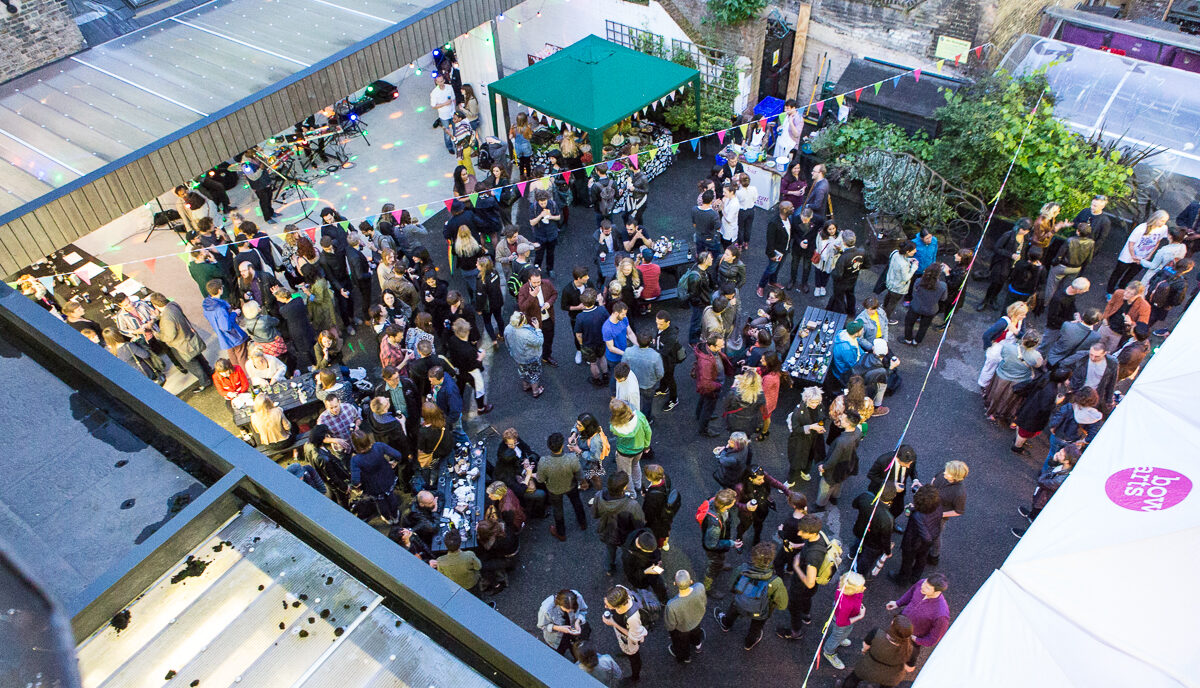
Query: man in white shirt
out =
(441, 98)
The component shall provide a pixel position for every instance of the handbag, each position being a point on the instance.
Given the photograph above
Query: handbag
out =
(276, 347)
(424, 459)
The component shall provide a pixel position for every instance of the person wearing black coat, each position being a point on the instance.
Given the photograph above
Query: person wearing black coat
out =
(845, 275)
(900, 476)
(297, 328)
(654, 503)
(1046, 392)
(361, 279)
(461, 214)
(489, 302)
(1028, 277)
(333, 266)
(508, 468)
(803, 238)
(668, 346)
(331, 227)
(641, 552)
(779, 234)
(876, 538)
(1010, 248)
(1078, 364)
(487, 217)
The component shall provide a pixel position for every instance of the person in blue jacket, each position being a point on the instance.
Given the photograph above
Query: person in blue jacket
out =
(223, 319)
(846, 351)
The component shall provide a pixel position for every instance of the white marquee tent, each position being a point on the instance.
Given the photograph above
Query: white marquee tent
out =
(1100, 593)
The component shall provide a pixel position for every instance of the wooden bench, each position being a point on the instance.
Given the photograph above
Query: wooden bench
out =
(667, 295)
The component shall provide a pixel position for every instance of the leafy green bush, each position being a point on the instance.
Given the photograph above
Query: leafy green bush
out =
(733, 12)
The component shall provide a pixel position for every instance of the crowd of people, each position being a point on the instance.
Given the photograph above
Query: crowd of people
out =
(290, 304)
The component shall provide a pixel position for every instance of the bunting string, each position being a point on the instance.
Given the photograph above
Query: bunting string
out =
(925, 382)
(424, 208)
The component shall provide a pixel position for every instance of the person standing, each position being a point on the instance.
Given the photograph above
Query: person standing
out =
(571, 300)
(924, 605)
(617, 515)
(888, 656)
(683, 615)
(625, 619)
(672, 352)
(1010, 248)
(561, 474)
(660, 504)
(902, 267)
(632, 435)
(818, 196)
(842, 462)
(806, 428)
(803, 238)
(779, 232)
(1074, 255)
(616, 332)
(806, 564)
(897, 469)
(1141, 245)
(844, 275)
(927, 297)
(1048, 483)
(695, 287)
(536, 301)
(706, 225)
(178, 333)
(757, 593)
(562, 617)
(441, 99)
(849, 610)
(711, 368)
(373, 470)
(641, 559)
(223, 319)
(873, 528)
(924, 526)
(647, 366)
(716, 519)
(1097, 220)
(953, 494)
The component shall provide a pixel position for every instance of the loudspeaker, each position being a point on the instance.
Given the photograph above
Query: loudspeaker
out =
(381, 91)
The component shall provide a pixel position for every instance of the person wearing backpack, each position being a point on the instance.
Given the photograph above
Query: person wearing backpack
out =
(623, 615)
(716, 519)
(757, 593)
(695, 287)
(603, 194)
(810, 570)
(660, 503)
(1169, 293)
(617, 515)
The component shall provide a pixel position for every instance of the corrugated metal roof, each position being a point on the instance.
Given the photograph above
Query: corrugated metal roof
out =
(255, 606)
(63, 121)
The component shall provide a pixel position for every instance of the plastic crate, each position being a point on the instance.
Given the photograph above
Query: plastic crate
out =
(768, 107)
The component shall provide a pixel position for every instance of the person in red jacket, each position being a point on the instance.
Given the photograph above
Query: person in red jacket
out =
(711, 368)
(651, 273)
(230, 379)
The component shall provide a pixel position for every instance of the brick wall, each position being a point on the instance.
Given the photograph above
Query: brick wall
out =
(745, 39)
(1006, 20)
(42, 31)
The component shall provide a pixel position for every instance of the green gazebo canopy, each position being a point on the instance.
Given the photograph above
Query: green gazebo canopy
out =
(593, 84)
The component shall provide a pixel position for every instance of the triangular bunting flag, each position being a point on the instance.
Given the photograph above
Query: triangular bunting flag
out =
(876, 85)
(183, 257)
(633, 159)
(896, 81)
(396, 215)
(675, 148)
(781, 117)
(14, 285)
(857, 94)
(424, 208)
(820, 107)
(118, 270)
(223, 248)
(588, 169)
(743, 129)
(312, 234)
(916, 74)
(763, 123)
(48, 282)
(956, 59)
(449, 202)
(941, 64)
(979, 52)
(83, 277)
(840, 98)
(345, 225)
(566, 175)
(254, 242)
(149, 263)
(721, 136)
(521, 187)
(474, 196)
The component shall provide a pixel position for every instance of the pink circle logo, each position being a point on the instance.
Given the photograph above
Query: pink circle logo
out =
(1147, 488)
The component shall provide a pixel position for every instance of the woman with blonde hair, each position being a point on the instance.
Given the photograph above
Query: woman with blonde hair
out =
(521, 133)
(854, 399)
(744, 404)
(273, 429)
(849, 609)
(263, 369)
(1044, 226)
(631, 438)
(467, 253)
(630, 280)
(1010, 326)
(954, 501)
(1141, 244)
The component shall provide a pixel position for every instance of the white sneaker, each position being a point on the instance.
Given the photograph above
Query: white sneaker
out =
(846, 642)
(835, 661)
(578, 358)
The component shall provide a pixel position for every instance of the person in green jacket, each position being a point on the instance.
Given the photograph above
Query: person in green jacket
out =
(459, 566)
(203, 267)
(632, 436)
(757, 593)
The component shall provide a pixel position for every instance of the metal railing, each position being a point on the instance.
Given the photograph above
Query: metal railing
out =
(715, 65)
